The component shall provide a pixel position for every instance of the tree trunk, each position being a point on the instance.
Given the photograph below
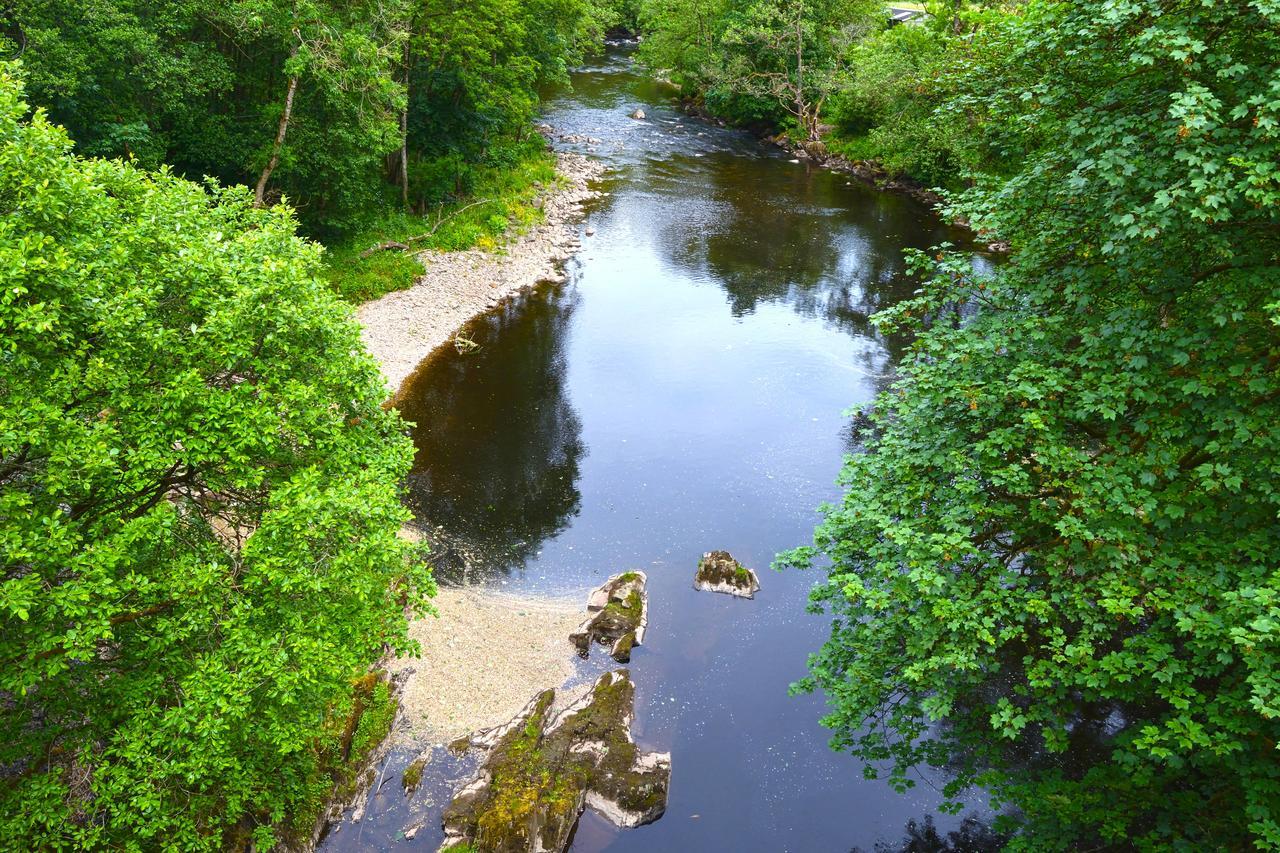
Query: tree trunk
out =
(404, 133)
(260, 192)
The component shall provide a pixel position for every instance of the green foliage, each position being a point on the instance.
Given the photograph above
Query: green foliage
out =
(836, 70)
(1055, 567)
(202, 86)
(198, 488)
(509, 195)
(375, 722)
(316, 99)
(757, 59)
(884, 107)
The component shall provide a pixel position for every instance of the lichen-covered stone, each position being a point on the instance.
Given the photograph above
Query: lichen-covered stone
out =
(621, 651)
(719, 572)
(413, 775)
(617, 615)
(544, 768)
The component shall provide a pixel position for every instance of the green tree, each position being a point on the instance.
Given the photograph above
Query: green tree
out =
(328, 104)
(791, 52)
(198, 505)
(785, 56)
(679, 39)
(1056, 569)
(299, 99)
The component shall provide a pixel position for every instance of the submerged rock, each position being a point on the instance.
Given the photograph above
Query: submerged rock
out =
(544, 768)
(719, 572)
(413, 775)
(617, 615)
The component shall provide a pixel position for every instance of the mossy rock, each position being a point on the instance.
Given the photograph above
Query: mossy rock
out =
(718, 571)
(617, 609)
(413, 776)
(621, 651)
(544, 769)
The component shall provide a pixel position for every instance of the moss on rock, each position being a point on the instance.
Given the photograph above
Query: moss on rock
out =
(413, 775)
(544, 769)
(616, 609)
(718, 571)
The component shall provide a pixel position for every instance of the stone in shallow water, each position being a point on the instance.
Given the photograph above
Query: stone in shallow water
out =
(719, 572)
(617, 615)
(544, 768)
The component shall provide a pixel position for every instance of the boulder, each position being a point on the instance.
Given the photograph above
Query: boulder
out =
(719, 572)
(543, 768)
(617, 615)
(638, 114)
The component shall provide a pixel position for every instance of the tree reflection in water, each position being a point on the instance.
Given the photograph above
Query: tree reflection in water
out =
(972, 836)
(486, 499)
(794, 236)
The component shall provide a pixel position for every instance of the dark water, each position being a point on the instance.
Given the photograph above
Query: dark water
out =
(682, 392)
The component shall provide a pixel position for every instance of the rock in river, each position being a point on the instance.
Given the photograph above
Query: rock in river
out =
(543, 768)
(719, 572)
(617, 614)
(638, 114)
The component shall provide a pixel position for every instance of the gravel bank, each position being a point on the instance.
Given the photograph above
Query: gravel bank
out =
(482, 659)
(400, 329)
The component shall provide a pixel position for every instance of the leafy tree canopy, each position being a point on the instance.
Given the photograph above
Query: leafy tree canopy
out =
(1056, 569)
(198, 504)
(311, 99)
(762, 59)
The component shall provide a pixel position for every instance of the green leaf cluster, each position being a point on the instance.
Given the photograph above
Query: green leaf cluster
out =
(1056, 567)
(198, 505)
(320, 96)
(775, 61)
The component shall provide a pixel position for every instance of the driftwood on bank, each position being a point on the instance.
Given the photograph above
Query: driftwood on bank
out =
(382, 247)
(405, 245)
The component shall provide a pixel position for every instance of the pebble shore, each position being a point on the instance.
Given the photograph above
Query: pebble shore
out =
(402, 328)
(482, 659)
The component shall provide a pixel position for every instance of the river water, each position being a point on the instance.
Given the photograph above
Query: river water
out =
(683, 391)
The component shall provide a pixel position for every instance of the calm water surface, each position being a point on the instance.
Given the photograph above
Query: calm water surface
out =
(682, 392)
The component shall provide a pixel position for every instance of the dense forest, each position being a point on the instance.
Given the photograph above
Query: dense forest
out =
(1055, 570)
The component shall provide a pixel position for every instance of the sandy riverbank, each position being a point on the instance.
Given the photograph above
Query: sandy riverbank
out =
(402, 328)
(482, 659)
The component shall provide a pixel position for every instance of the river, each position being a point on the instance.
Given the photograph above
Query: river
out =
(685, 390)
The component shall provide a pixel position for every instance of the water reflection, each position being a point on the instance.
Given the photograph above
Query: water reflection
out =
(972, 836)
(487, 498)
(772, 233)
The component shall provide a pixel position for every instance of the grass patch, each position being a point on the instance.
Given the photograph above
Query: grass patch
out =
(861, 147)
(509, 194)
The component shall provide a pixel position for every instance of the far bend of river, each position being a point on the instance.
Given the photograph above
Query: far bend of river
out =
(683, 391)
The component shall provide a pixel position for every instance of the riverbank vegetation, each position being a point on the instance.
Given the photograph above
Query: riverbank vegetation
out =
(199, 485)
(840, 74)
(200, 502)
(1054, 571)
(365, 116)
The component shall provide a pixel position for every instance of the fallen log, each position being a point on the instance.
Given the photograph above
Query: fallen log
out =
(383, 247)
